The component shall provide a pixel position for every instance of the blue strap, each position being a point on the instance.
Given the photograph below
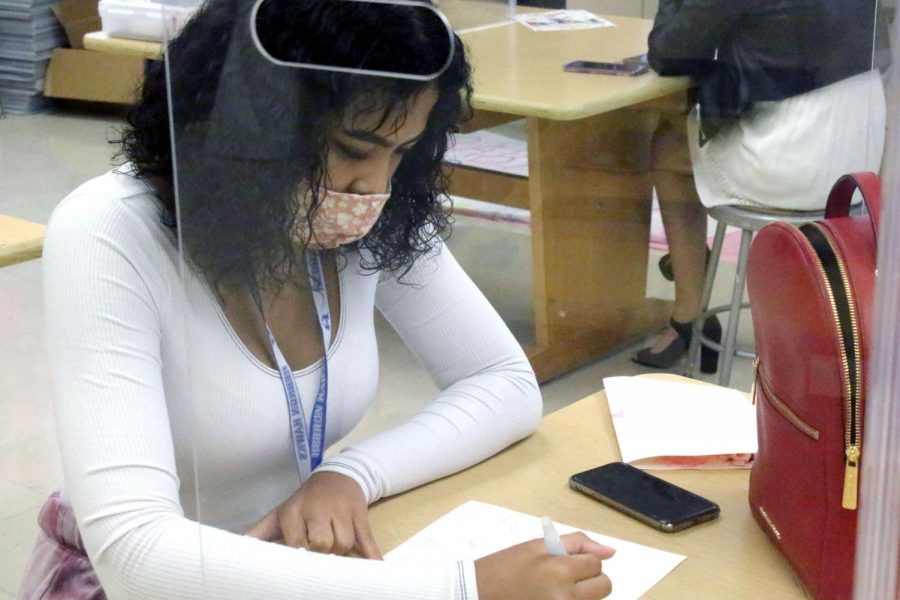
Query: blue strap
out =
(308, 447)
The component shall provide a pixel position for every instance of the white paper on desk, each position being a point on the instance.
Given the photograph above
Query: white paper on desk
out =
(476, 529)
(562, 20)
(670, 425)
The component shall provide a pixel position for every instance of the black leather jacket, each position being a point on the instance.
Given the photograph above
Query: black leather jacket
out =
(746, 51)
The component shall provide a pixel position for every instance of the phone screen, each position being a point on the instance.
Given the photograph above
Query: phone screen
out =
(605, 68)
(645, 497)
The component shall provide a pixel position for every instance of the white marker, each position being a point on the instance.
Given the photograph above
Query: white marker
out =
(551, 538)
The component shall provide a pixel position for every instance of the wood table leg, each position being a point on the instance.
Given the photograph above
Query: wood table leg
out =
(590, 194)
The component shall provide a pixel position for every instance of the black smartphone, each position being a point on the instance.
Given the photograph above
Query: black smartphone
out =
(648, 499)
(640, 59)
(604, 68)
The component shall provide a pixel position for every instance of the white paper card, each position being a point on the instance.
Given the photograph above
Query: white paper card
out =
(476, 529)
(671, 425)
(562, 20)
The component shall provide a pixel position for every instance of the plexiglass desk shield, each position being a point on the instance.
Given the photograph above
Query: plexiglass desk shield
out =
(260, 98)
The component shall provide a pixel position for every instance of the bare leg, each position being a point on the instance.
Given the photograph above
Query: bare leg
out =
(685, 222)
(684, 219)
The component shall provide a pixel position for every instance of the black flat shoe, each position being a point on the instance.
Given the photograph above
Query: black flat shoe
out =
(671, 354)
(665, 265)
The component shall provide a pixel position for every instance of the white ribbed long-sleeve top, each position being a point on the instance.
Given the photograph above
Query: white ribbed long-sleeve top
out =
(175, 439)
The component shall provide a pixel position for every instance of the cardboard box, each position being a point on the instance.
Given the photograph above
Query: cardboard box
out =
(151, 21)
(78, 17)
(93, 76)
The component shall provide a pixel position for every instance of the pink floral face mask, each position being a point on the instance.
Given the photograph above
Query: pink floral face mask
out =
(341, 218)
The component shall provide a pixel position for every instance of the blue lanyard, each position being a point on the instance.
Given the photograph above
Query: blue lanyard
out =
(308, 447)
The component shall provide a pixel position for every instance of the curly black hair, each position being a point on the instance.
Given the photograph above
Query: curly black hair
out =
(248, 134)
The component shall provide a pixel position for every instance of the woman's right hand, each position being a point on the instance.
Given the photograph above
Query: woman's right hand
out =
(529, 572)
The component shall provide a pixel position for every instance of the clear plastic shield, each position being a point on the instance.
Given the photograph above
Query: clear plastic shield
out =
(287, 143)
(466, 15)
(878, 539)
(298, 128)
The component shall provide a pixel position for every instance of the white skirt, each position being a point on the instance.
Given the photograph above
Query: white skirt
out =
(787, 154)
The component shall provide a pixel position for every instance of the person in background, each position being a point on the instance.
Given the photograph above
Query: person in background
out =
(788, 100)
(195, 394)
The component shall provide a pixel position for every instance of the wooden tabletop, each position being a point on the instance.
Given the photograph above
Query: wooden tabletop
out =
(518, 71)
(101, 42)
(726, 558)
(19, 240)
(461, 14)
(469, 14)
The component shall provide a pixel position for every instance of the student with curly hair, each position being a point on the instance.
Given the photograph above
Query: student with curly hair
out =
(195, 393)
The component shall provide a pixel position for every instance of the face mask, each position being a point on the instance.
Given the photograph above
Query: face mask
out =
(340, 218)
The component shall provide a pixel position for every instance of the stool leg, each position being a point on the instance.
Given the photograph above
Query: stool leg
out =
(734, 314)
(693, 358)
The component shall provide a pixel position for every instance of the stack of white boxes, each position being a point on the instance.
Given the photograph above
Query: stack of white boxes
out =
(29, 32)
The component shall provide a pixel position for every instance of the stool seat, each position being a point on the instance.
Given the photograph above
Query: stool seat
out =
(748, 219)
(20, 240)
(754, 219)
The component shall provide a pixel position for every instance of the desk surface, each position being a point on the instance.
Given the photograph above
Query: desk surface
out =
(101, 42)
(19, 240)
(726, 558)
(519, 71)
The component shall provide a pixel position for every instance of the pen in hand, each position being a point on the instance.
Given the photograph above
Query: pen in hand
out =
(551, 538)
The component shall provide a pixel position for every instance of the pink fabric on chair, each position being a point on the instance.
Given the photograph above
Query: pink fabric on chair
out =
(59, 568)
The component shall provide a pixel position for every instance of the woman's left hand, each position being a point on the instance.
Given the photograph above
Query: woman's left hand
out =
(327, 514)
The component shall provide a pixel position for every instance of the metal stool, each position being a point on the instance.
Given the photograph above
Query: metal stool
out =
(748, 220)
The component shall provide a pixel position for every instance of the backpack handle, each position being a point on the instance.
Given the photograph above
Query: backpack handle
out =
(842, 193)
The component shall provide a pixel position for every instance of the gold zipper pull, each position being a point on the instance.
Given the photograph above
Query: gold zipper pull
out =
(755, 378)
(851, 478)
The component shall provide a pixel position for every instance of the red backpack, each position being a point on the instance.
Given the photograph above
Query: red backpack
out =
(811, 291)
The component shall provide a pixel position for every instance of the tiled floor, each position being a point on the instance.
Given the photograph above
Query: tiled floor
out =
(42, 158)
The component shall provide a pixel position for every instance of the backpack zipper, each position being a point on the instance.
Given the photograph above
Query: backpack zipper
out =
(834, 275)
